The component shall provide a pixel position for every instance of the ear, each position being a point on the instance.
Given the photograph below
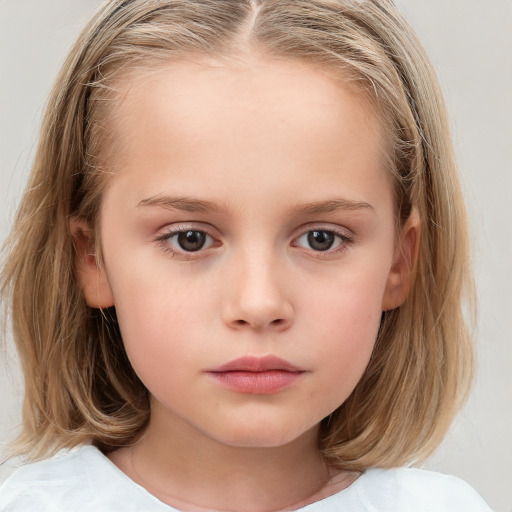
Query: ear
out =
(401, 275)
(92, 276)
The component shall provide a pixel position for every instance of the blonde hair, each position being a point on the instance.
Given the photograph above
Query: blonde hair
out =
(79, 384)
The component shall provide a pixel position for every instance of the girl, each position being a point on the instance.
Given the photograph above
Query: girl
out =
(237, 275)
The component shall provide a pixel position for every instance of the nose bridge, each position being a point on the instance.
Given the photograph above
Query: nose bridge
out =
(257, 296)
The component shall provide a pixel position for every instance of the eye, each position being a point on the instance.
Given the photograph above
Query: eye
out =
(191, 241)
(186, 240)
(321, 240)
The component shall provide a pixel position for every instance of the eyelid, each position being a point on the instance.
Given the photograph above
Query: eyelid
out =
(325, 226)
(187, 226)
(346, 236)
(167, 232)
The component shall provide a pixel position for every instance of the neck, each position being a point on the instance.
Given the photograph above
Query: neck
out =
(190, 471)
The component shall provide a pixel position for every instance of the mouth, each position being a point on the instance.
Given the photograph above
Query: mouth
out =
(257, 375)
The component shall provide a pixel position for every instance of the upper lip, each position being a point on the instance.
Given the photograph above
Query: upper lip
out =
(257, 364)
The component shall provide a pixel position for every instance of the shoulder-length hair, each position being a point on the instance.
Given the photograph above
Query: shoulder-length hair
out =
(79, 385)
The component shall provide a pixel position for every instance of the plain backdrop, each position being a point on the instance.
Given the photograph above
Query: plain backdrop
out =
(470, 43)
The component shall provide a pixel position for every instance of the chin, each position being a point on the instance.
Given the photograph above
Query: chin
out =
(264, 436)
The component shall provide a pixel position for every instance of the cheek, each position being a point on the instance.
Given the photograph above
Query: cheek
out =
(345, 323)
(156, 316)
(349, 340)
(349, 301)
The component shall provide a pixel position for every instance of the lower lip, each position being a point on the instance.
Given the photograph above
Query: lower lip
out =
(257, 383)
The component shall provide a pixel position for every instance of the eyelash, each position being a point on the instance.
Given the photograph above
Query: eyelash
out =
(343, 241)
(165, 238)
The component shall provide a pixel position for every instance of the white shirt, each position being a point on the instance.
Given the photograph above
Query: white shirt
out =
(86, 481)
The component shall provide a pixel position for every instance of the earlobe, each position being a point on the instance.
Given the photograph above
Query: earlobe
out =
(91, 274)
(401, 275)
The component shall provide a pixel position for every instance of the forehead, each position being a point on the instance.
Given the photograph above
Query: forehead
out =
(248, 91)
(229, 120)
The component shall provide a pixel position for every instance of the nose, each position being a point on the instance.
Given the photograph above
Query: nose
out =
(256, 297)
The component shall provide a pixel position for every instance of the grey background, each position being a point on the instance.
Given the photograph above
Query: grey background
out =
(470, 43)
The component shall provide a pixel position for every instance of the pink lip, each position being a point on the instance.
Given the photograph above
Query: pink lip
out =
(257, 364)
(257, 375)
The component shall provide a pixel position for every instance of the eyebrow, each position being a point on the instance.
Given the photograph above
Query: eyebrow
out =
(332, 205)
(185, 204)
(189, 204)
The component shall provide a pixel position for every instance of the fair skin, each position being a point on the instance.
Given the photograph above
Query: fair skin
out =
(276, 173)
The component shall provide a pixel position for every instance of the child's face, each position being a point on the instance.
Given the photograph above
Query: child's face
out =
(250, 216)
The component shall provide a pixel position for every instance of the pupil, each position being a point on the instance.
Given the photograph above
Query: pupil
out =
(191, 240)
(320, 240)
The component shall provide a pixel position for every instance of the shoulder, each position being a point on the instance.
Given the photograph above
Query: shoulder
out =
(419, 490)
(44, 482)
(61, 478)
(82, 480)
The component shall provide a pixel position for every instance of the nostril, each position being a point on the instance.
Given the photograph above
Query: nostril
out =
(276, 323)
